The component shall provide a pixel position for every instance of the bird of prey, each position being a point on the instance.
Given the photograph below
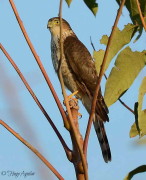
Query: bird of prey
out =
(79, 74)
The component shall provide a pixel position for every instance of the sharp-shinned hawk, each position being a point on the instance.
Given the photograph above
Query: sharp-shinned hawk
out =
(79, 74)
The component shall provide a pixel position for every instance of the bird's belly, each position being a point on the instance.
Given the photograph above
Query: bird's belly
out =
(68, 77)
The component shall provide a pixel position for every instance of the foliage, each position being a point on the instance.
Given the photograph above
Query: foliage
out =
(132, 7)
(120, 39)
(68, 2)
(139, 127)
(127, 67)
(91, 4)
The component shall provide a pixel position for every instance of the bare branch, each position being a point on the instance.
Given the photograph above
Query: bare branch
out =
(140, 14)
(125, 105)
(100, 78)
(77, 161)
(38, 60)
(73, 128)
(67, 150)
(40, 156)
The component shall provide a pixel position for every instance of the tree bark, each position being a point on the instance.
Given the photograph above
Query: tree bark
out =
(76, 159)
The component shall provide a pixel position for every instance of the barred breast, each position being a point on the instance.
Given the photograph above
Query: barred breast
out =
(68, 77)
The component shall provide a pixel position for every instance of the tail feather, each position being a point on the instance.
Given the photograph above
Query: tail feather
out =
(100, 109)
(100, 117)
(103, 141)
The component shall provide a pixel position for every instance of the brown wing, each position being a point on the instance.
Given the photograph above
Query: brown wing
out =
(83, 66)
(80, 61)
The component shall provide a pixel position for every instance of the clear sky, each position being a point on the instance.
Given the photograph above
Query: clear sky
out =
(20, 112)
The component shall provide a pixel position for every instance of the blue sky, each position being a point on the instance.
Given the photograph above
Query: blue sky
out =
(20, 112)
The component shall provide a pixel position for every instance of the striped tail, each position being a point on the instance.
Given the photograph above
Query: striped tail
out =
(103, 141)
(101, 116)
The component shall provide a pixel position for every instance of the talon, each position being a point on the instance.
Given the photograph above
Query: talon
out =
(73, 94)
(80, 115)
(70, 97)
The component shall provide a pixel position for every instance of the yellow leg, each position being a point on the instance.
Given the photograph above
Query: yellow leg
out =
(73, 94)
(71, 97)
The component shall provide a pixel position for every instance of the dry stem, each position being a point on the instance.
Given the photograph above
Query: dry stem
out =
(100, 78)
(38, 60)
(77, 161)
(67, 150)
(40, 156)
(140, 14)
(72, 125)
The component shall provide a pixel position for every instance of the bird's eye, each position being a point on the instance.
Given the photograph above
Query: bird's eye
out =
(56, 22)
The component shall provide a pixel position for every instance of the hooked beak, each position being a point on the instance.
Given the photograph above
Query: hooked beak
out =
(49, 25)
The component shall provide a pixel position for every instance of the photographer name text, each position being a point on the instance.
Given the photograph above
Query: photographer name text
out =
(17, 174)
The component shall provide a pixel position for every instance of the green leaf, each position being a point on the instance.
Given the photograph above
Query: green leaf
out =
(131, 5)
(133, 131)
(92, 5)
(139, 127)
(120, 39)
(68, 2)
(127, 67)
(142, 113)
(98, 57)
(139, 169)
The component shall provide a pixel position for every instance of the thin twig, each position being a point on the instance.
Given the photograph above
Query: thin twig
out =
(92, 43)
(100, 78)
(77, 161)
(67, 150)
(38, 60)
(66, 100)
(40, 156)
(140, 14)
(125, 105)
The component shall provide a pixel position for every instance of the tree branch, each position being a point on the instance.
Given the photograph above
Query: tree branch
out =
(40, 156)
(125, 105)
(72, 125)
(77, 161)
(100, 78)
(140, 14)
(38, 60)
(67, 150)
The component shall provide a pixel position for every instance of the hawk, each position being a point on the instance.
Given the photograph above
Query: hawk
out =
(79, 74)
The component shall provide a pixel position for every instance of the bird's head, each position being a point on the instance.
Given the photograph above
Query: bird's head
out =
(54, 25)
